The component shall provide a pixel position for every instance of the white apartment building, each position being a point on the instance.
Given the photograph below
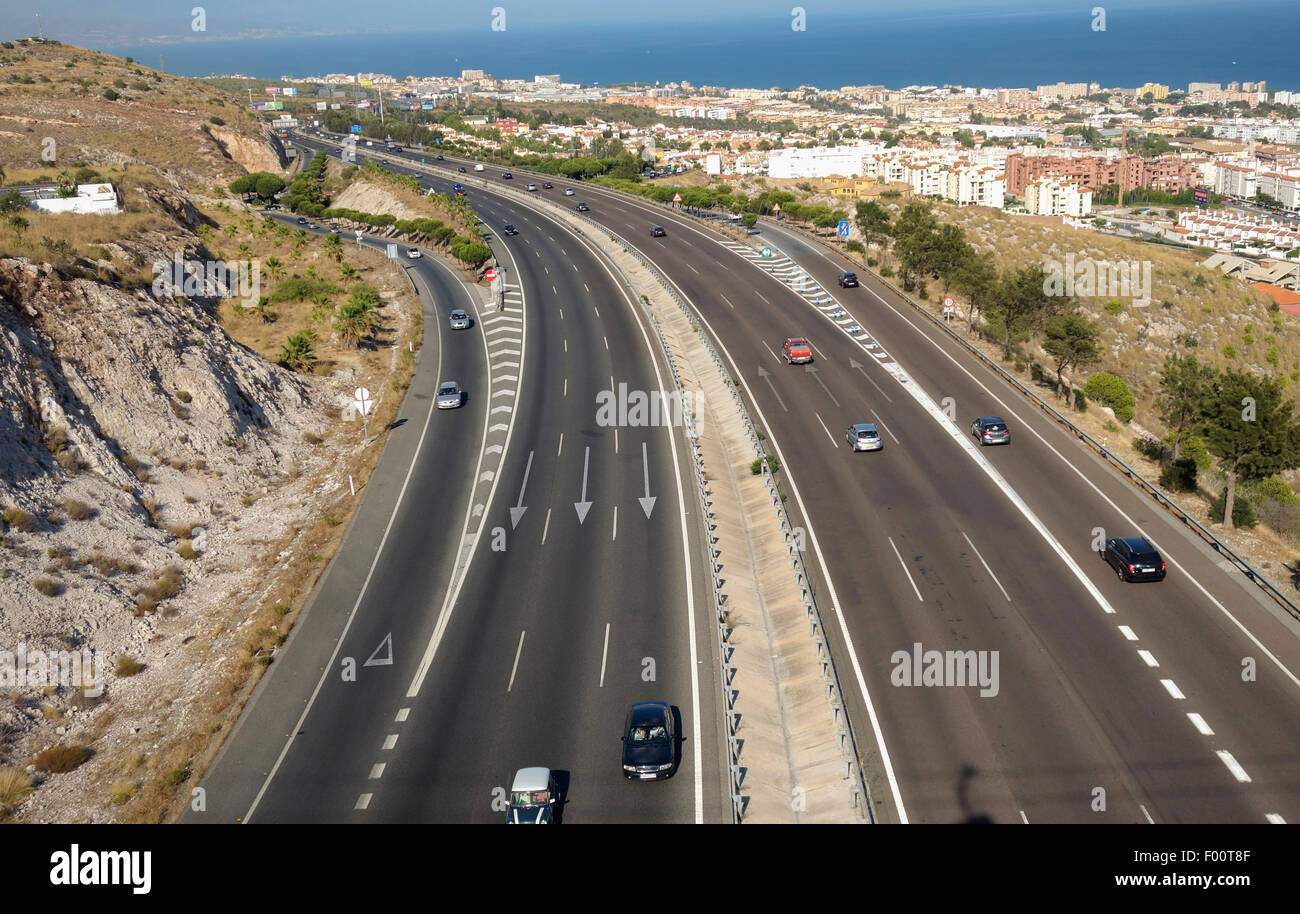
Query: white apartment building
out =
(1048, 197)
(820, 161)
(927, 178)
(975, 185)
(1234, 180)
(1283, 188)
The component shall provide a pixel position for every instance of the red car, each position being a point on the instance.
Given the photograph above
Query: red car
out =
(796, 350)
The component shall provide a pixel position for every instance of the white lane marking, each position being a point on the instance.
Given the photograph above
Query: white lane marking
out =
(905, 571)
(561, 314)
(1275, 819)
(604, 655)
(727, 300)
(566, 387)
(519, 650)
(584, 285)
(1024, 818)
(1233, 765)
(774, 355)
(885, 427)
(402, 714)
(363, 801)
(606, 339)
(697, 272)
(597, 310)
(1150, 821)
(834, 443)
(762, 296)
(821, 355)
(1147, 658)
(560, 450)
(615, 441)
(615, 536)
(986, 566)
(547, 525)
(1172, 689)
(566, 345)
(1199, 723)
(1128, 633)
(377, 770)
(389, 741)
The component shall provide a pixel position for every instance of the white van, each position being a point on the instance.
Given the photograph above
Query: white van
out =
(479, 167)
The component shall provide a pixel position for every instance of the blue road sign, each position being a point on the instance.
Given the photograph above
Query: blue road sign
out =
(843, 230)
(356, 128)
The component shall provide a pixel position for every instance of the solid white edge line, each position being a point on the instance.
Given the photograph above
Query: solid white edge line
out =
(329, 667)
(905, 571)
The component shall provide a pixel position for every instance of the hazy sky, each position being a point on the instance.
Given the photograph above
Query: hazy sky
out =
(128, 22)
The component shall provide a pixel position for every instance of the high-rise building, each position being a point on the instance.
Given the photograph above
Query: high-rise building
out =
(1209, 90)
(1156, 90)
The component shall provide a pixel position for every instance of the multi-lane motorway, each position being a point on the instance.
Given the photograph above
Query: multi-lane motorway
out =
(527, 597)
(1170, 702)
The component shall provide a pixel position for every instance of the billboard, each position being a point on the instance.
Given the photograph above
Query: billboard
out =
(289, 90)
(272, 90)
(356, 128)
(1201, 195)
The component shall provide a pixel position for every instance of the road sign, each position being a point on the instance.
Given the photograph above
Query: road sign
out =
(776, 207)
(362, 401)
(359, 236)
(843, 230)
(677, 198)
(391, 251)
(947, 306)
(765, 252)
(356, 128)
(490, 275)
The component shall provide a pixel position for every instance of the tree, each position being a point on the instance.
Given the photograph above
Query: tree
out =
(948, 251)
(12, 202)
(976, 278)
(1184, 383)
(1110, 390)
(873, 223)
(1010, 305)
(1251, 430)
(297, 353)
(1071, 341)
(913, 239)
(333, 246)
(2, 174)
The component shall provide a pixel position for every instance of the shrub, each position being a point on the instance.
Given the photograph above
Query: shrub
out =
(1192, 446)
(48, 586)
(1151, 448)
(15, 785)
(183, 396)
(772, 464)
(76, 510)
(1080, 401)
(18, 519)
(1243, 512)
(1035, 371)
(1110, 390)
(1114, 306)
(59, 759)
(1283, 516)
(127, 667)
(1180, 476)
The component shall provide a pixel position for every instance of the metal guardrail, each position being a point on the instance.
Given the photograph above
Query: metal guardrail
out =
(1133, 475)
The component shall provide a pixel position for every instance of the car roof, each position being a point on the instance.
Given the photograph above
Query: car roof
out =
(796, 339)
(457, 311)
(992, 419)
(447, 384)
(648, 711)
(865, 427)
(1137, 543)
(532, 779)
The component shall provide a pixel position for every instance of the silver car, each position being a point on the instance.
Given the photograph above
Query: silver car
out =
(863, 437)
(990, 430)
(568, 191)
(459, 320)
(449, 395)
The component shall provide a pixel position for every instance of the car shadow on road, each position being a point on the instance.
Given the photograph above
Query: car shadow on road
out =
(968, 815)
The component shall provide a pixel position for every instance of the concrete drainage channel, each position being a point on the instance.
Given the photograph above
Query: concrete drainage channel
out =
(782, 765)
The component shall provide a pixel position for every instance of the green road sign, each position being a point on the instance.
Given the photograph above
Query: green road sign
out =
(765, 252)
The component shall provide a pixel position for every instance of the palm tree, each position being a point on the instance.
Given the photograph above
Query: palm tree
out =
(263, 309)
(276, 266)
(67, 183)
(352, 321)
(230, 229)
(322, 309)
(346, 272)
(333, 246)
(244, 249)
(297, 354)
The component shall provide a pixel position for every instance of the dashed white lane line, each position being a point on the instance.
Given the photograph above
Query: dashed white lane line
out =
(885, 427)
(389, 741)
(514, 669)
(905, 571)
(1172, 689)
(606, 339)
(1150, 821)
(402, 714)
(986, 566)
(566, 345)
(834, 443)
(1128, 633)
(1274, 819)
(363, 801)
(597, 310)
(554, 291)
(584, 285)
(1148, 659)
(1233, 765)
(697, 272)
(727, 300)
(1024, 818)
(566, 387)
(560, 450)
(377, 770)
(762, 296)
(821, 355)
(561, 314)
(546, 526)
(615, 441)
(604, 656)
(1199, 723)
(615, 536)
(769, 349)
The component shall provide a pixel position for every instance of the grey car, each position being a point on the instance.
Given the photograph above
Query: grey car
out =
(863, 437)
(450, 395)
(459, 320)
(990, 430)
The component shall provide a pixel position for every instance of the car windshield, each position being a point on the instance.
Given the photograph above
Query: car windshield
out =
(648, 735)
(995, 427)
(529, 797)
(447, 389)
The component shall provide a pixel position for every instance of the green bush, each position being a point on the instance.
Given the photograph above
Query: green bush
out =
(1110, 390)
(772, 463)
(1080, 401)
(1180, 476)
(1035, 372)
(1243, 512)
(1150, 448)
(1193, 447)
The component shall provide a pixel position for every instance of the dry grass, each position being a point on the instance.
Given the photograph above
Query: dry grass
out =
(58, 759)
(15, 786)
(127, 667)
(18, 519)
(76, 510)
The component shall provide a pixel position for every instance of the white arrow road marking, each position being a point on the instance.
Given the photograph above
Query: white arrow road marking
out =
(499, 428)
(493, 449)
(583, 506)
(487, 476)
(387, 646)
(767, 376)
(518, 510)
(647, 503)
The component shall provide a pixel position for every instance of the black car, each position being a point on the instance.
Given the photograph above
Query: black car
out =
(302, 220)
(990, 430)
(461, 169)
(848, 279)
(507, 175)
(510, 229)
(649, 741)
(547, 185)
(1134, 559)
(657, 231)
(582, 208)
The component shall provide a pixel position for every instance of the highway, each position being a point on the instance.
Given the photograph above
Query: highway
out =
(1172, 702)
(521, 626)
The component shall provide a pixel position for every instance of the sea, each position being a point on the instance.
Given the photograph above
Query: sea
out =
(1218, 41)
